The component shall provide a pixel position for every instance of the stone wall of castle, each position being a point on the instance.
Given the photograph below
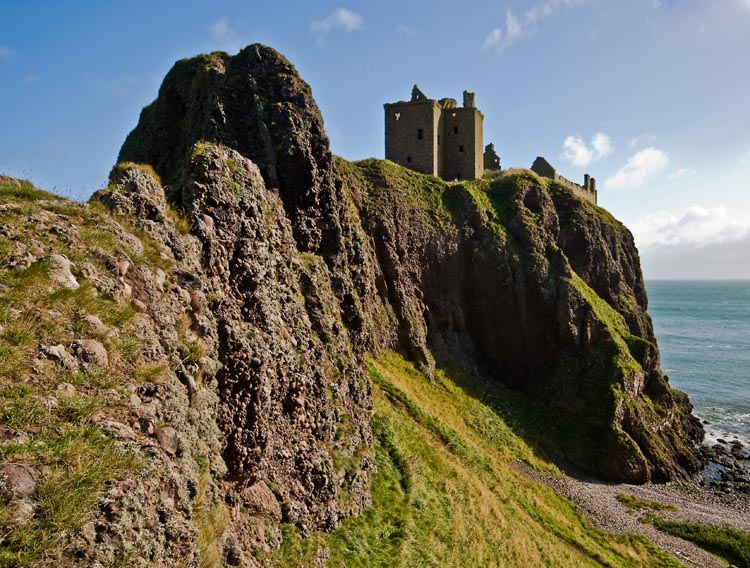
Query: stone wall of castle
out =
(586, 191)
(491, 159)
(462, 150)
(436, 137)
(412, 132)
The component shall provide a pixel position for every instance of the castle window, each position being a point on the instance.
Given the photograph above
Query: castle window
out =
(420, 134)
(438, 139)
(453, 115)
(408, 159)
(455, 130)
(397, 115)
(461, 148)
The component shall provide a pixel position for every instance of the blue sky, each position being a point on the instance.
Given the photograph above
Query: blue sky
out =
(651, 97)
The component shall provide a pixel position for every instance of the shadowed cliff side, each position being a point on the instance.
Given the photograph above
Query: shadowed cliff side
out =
(482, 265)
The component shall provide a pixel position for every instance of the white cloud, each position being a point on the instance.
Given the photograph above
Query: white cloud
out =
(518, 28)
(31, 79)
(224, 36)
(404, 29)
(695, 227)
(745, 158)
(503, 37)
(578, 153)
(546, 9)
(682, 172)
(642, 139)
(341, 19)
(639, 168)
(120, 86)
(602, 145)
(6, 52)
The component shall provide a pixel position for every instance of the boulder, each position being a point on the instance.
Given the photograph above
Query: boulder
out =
(59, 272)
(18, 480)
(168, 440)
(93, 352)
(60, 354)
(258, 499)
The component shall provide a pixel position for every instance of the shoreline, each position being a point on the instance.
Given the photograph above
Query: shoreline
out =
(724, 502)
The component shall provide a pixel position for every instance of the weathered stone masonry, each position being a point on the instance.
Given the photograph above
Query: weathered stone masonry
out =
(436, 137)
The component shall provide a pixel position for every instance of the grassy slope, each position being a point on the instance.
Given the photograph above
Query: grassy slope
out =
(57, 433)
(448, 491)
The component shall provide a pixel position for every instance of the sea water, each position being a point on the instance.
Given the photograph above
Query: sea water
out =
(703, 332)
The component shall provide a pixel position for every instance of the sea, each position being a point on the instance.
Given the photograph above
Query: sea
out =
(703, 331)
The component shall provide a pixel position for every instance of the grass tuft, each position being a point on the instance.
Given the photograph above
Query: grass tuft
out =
(22, 191)
(75, 468)
(633, 502)
(125, 166)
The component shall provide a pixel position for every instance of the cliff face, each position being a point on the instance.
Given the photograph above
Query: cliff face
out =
(262, 271)
(519, 281)
(488, 271)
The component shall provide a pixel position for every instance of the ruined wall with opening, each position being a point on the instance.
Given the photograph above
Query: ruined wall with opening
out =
(586, 191)
(491, 159)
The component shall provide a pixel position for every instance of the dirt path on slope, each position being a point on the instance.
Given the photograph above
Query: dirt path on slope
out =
(597, 501)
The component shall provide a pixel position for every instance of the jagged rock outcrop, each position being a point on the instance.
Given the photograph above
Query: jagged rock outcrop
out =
(256, 104)
(283, 372)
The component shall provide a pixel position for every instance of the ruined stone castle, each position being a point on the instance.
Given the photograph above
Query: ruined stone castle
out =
(586, 191)
(436, 137)
(439, 138)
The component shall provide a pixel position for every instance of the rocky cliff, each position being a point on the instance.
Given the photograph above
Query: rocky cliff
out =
(257, 272)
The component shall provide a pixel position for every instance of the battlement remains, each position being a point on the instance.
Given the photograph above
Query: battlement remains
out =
(586, 191)
(491, 159)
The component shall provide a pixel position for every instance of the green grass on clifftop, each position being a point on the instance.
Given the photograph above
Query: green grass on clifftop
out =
(21, 190)
(450, 491)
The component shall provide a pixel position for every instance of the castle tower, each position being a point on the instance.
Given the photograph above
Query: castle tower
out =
(412, 133)
(436, 137)
(463, 153)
